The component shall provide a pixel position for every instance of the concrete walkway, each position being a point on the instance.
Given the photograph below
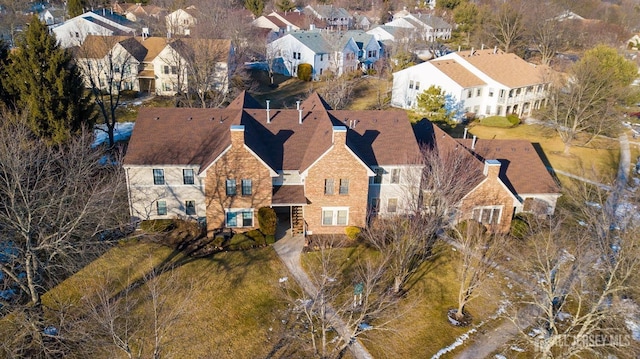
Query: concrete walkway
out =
(289, 249)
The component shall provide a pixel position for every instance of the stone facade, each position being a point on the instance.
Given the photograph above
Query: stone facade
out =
(238, 164)
(339, 163)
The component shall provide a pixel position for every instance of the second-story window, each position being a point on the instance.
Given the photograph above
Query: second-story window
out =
(328, 186)
(246, 187)
(231, 187)
(187, 176)
(479, 92)
(158, 176)
(410, 84)
(166, 69)
(344, 186)
(395, 175)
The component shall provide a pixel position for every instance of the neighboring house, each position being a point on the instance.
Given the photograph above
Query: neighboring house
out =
(156, 64)
(73, 31)
(484, 82)
(334, 17)
(182, 21)
(107, 60)
(139, 12)
(515, 180)
(424, 27)
(369, 49)
(361, 22)
(52, 16)
(172, 65)
(388, 33)
(320, 169)
(324, 51)
(280, 23)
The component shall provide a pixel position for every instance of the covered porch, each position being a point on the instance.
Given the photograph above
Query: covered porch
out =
(288, 203)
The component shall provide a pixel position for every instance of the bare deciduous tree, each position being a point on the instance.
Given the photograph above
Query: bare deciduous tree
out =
(55, 204)
(507, 26)
(478, 252)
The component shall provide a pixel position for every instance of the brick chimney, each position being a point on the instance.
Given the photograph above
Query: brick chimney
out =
(339, 135)
(491, 168)
(237, 135)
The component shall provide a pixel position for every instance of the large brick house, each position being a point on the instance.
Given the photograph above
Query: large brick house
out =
(320, 169)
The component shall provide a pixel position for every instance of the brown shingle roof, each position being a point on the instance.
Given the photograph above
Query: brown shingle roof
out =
(506, 68)
(196, 136)
(179, 136)
(457, 73)
(521, 167)
(289, 195)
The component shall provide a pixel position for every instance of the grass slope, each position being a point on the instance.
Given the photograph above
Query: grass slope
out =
(233, 309)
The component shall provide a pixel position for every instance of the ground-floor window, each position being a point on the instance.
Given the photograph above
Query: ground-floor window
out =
(239, 218)
(487, 214)
(335, 216)
(161, 208)
(190, 208)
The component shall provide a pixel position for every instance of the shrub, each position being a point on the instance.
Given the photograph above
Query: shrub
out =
(218, 241)
(157, 225)
(256, 236)
(267, 220)
(270, 239)
(352, 232)
(513, 119)
(520, 225)
(305, 71)
(240, 242)
(496, 121)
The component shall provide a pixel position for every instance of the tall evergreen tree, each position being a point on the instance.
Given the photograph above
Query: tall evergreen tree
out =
(47, 85)
(255, 6)
(4, 62)
(75, 7)
(286, 5)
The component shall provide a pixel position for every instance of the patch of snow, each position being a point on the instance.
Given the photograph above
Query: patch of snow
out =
(535, 332)
(499, 356)
(121, 132)
(634, 327)
(458, 342)
(453, 321)
(516, 349)
(595, 205)
(509, 285)
(283, 279)
(562, 316)
(364, 326)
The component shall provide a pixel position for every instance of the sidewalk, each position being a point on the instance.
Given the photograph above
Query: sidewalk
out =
(289, 249)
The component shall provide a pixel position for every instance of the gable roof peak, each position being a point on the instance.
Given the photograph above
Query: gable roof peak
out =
(315, 102)
(244, 100)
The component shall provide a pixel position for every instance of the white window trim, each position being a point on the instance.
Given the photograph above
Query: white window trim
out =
(489, 208)
(334, 220)
(239, 210)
